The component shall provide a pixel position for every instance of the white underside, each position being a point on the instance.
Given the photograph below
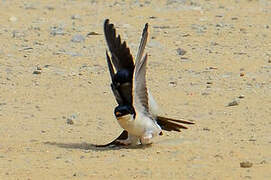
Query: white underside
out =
(142, 127)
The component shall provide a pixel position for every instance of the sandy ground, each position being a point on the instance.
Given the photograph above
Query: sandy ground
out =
(53, 70)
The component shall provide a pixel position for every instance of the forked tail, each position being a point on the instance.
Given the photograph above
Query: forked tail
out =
(169, 124)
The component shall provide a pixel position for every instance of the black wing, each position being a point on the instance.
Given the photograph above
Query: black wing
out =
(123, 63)
(116, 142)
(121, 56)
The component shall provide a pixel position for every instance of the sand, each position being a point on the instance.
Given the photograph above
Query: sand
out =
(56, 101)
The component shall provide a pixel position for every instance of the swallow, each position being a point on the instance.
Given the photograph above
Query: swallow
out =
(137, 111)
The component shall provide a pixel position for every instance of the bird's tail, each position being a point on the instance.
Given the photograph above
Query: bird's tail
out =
(170, 124)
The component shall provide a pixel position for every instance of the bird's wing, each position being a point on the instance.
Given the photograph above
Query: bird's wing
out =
(121, 56)
(142, 44)
(114, 87)
(116, 142)
(140, 93)
(122, 61)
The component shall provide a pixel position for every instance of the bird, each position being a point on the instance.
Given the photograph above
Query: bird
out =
(137, 111)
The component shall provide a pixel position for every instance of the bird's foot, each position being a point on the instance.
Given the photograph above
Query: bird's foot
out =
(146, 139)
(132, 140)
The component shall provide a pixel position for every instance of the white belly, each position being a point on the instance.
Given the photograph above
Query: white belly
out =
(140, 125)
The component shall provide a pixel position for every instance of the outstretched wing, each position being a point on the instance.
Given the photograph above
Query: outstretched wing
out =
(121, 56)
(123, 63)
(114, 85)
(142, 44)
(140, 93)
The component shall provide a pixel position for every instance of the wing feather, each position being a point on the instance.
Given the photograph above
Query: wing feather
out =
(140, 94)
(121, 56)
(142, 44)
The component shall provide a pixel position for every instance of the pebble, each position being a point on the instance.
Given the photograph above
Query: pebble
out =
(206, 129)
(92, 33)
(181, 51)
(233, 103)
(70, 121)
(78, 38)
(57, 30)
(246, 164)
(75, 16)
(36, 72)
(173, 83)
(241, 96)
(13, 19)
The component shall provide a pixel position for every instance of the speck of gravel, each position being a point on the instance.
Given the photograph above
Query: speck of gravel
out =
(233, 103)
(181, 51)
(246, 164)
(78, 38)
(70, 121)
(57, 30)
(36, 72)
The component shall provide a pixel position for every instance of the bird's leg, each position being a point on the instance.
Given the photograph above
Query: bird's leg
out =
(146, 138)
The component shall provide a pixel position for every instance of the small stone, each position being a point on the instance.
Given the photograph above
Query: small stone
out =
(246, 164)
(92, 33)
(263, 162)
(78, 38)
(70, 121)
(57, 30)
(181, 51)
(205, 93)
(71, 118)
(13, 19)
(173, 83)
(242, 74)
(206, 129)
(211, 67)
(233, 103)
(36, 72)
(269, 61)
(75, 16)
(241, 96)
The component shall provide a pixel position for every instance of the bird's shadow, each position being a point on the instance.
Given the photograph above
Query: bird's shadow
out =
(93, 147)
